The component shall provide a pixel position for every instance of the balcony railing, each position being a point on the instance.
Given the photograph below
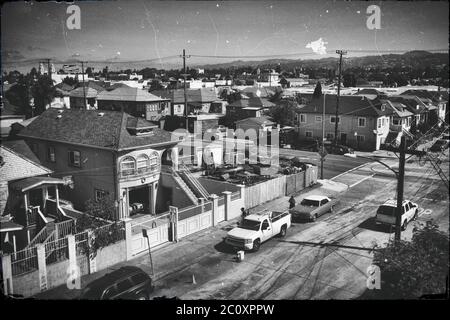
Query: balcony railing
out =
(132, 173)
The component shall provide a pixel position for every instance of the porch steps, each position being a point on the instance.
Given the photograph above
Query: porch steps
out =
(193, 182)
(39, 237)
(185, 188)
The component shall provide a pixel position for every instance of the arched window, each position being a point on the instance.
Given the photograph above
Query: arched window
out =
(154, 161)
(143, 163)
(127, 166)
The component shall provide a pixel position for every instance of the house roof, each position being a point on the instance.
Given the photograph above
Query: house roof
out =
(348, 105)
(257, 92)
(64, 87)
(21, 148)
(9, 109)
(257, 120)
(433, 95)
(201, 95)
(105, 129)
(80, 92)
(252, 103)
(128, 94)
(6, 226)
(17, 166)
(411, 102)
(33, 182)
(398, 108)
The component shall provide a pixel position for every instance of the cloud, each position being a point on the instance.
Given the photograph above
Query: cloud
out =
(12, 55)
(32, 48)
(318, 46)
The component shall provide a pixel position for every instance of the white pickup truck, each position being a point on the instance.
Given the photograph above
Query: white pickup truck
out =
(386, 213)
(258, 228)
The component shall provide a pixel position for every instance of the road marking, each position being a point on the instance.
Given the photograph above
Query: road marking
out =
(423, 211)
(361, 180)
(348, 171)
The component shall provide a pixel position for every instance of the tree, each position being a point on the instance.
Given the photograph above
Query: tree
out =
(412, 269)
(89, 71)
(155, 85)
(349, 80)
(317, 91)
(284, 112)
(70, 81)
(43, 93)
(99, 219)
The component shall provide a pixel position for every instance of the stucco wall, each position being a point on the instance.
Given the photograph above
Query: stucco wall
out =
(26, 284)
(111, 255)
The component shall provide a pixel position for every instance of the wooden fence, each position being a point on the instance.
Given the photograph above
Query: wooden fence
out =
(265, 191)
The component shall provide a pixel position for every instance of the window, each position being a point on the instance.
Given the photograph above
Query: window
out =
(51, 154)
(124, 285)
(127, 166)
(302, 118)
(324, 201)
(265, 225)
(154, 161)
(110, 292)
(318, 118)
(396, 122)
(360, 138)
(308, 134)
(139, 278)
(409, 122)
(379, 123)
(99, 194)
(142, 163)
(361, 122)
(333, 119)
(74, 158)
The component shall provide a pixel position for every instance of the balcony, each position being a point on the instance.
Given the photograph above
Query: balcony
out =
(128, 174)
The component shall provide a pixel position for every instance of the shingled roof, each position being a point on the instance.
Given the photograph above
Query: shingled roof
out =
(253, 102)
(106, 129)
(80, 92)
(348, 105)
(201, 95)
(411, 102)
(128, 94)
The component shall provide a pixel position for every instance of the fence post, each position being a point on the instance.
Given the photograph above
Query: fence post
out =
(128, 237)
(42, 266)
(7, 275)
(243, 194)
(227, 203)
(93, 260)
(215, 207)
(174, 222)
(71, 247)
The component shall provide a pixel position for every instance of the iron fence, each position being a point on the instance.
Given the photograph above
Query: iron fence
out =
(24, 261)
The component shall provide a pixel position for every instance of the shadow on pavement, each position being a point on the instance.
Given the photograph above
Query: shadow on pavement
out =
(225, 248)
(370, 224)
(326, 244)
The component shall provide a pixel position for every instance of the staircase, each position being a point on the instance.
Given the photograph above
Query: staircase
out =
(189, 193)
(38, 238)
(193, 183)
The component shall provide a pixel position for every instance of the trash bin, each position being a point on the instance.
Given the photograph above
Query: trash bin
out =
(240, 255)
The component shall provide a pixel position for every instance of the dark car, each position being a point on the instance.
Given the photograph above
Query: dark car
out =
(439, 145)
(126, 283)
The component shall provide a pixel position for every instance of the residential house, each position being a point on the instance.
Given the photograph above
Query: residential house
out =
(258, 124)
(62, 96)
(437, 98)
(135, 101)
(362, 123)
(248, 108)
(415, 105)
(400, 120)
(83, 98)
(101, 153)
(29, 199)
(9, 115)
(198, 100)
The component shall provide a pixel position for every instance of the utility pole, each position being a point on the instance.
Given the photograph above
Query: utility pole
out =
(84, 89)
(340, 53)
(322, 156)
(401, 180)
(184, 88)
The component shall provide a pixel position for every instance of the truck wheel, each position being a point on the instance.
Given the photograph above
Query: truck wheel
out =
(404, 225)
(256, 245)
(283, 231)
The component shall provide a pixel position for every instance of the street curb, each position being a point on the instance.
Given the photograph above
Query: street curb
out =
(351, 170)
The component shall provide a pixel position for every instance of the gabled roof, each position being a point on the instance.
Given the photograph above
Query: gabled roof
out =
(257, 120)
(64, 87)
(201, 95)
(397, 108)
(348, 105)
(105, 129)
(433, 95)
(33, 182)
(257, 92)
(20, 147)
(16, 166)
(411, 102)
(252, 103)
(80, 92)
(128, 94)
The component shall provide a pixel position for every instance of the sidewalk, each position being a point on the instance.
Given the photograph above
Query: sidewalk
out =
(175, 257)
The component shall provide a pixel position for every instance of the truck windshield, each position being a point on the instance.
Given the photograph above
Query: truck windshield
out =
(386, 210)
(250, 225)
(309, 203)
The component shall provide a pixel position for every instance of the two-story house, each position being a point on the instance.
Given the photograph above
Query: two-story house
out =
(102, 153)
(414, 104)
(437, 99)
(198, 100)
(400, 120)
(248, 108)
(362, 123)
(135, 101)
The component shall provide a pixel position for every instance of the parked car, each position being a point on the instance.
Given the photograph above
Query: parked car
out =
(258, 228)
(126, 283)
(386, 213)
(312, 207)
(439, 145)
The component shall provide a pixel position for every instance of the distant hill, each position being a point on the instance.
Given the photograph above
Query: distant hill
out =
(412, 58)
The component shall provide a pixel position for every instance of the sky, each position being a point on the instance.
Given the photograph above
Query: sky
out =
(138, 30)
